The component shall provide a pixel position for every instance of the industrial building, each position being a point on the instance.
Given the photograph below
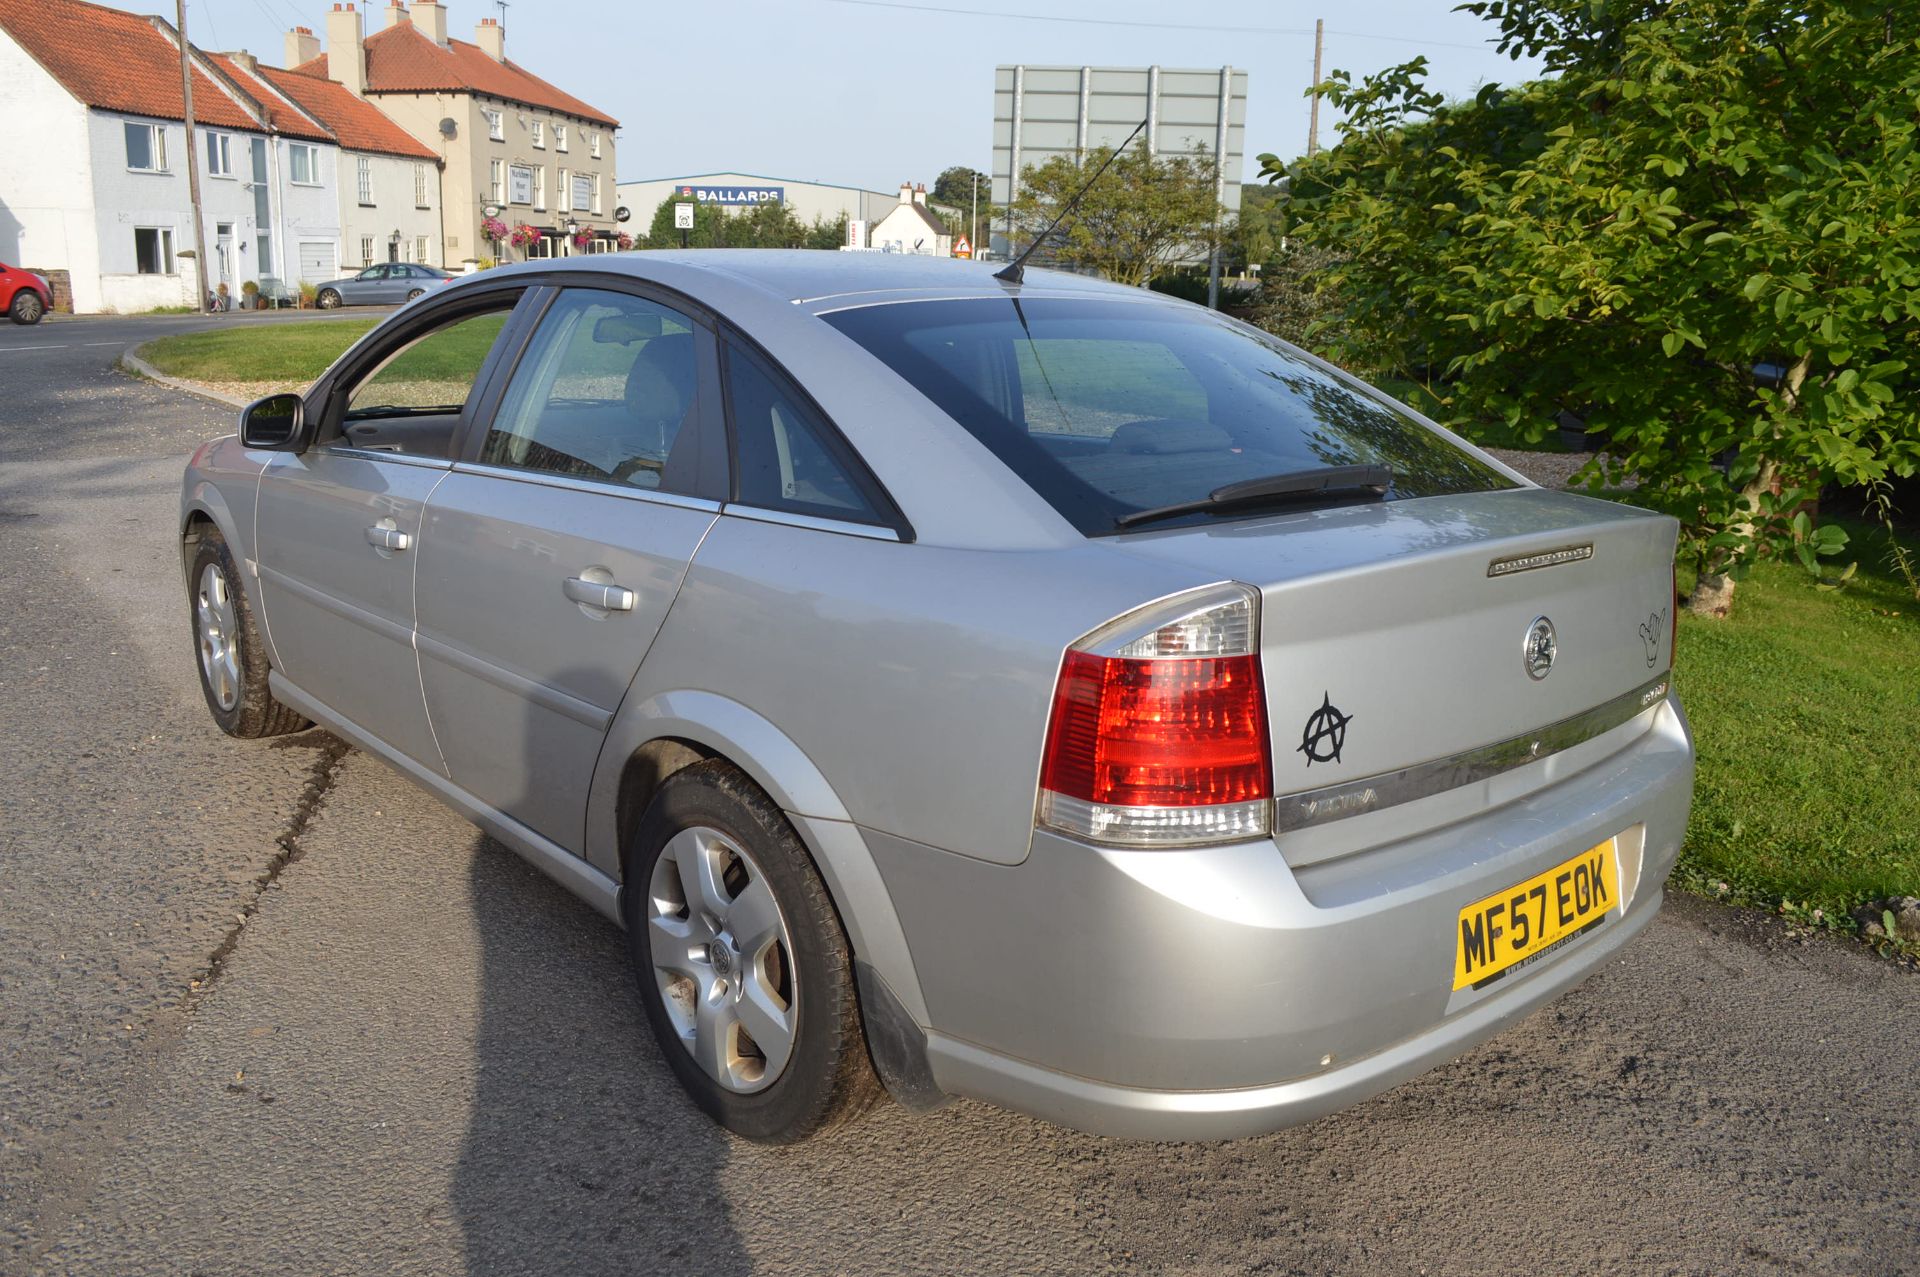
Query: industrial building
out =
(808, 201)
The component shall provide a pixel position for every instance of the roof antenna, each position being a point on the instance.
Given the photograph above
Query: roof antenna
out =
(1014, 271)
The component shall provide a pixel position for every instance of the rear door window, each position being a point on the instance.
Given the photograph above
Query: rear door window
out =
(785, 456)
(606, 390)
(1108, 408)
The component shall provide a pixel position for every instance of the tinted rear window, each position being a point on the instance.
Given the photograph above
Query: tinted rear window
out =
(1107, 408)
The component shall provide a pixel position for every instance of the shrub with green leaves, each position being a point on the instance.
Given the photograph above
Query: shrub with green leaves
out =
(1700, 235)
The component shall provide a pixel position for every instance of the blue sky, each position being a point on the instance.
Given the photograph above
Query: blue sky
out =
(870, 95)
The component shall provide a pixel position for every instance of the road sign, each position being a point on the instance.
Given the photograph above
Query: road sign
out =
(963, 247)
(683, 217)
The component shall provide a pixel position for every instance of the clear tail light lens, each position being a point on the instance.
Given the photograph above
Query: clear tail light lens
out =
(1158, 736)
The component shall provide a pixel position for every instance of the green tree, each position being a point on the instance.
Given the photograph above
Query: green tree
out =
(1143, 215)
(1702, 189)
(955, 187)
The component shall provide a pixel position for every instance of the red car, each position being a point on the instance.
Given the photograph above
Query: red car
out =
(24, 296)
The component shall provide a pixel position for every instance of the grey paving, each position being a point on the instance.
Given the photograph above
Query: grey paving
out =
(417, 1056)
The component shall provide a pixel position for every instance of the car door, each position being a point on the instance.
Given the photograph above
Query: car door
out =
(364, 289)
(338, 525)
(555, 547)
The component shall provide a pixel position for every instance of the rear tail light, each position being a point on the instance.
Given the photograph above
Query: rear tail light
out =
(1159, 729)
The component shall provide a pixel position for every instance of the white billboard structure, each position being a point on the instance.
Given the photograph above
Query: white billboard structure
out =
(1040, 112)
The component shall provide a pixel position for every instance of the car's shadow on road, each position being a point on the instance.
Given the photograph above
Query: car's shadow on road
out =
(579, 1130)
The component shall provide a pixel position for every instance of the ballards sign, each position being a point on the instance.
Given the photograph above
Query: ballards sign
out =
(735, 194)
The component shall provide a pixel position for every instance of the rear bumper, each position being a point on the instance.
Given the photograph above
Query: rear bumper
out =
(1218, 993)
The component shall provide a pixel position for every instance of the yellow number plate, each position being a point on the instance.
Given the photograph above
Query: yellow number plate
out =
(1510, 927)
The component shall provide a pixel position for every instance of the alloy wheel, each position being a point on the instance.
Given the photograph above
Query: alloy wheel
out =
(218, 624)
(723, 959)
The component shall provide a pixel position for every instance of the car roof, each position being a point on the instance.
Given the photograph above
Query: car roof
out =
(818, 278)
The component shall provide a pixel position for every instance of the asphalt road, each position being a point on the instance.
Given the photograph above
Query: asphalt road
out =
(269, 1010)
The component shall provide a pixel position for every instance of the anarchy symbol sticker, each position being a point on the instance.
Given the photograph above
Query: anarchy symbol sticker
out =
(1325, 733)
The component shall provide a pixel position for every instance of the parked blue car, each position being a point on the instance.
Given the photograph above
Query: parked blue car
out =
(385, 284)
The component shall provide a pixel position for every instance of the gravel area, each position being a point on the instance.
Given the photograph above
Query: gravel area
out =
(1548, 469)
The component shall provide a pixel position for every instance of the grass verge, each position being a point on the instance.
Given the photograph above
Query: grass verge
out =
(1806, 712)
(293, 352)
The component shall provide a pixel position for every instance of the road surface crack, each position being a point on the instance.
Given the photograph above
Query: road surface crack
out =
(320, 780)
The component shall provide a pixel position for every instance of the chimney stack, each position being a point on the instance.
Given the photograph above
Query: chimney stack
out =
(302, 47)
(920, 193)
(906, 192)
(346, 50)
(396, 15)
(492, 39)
(430, 20)
(245, 61)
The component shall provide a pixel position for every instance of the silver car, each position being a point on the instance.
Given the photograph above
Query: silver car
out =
(1048, 693)
(383, 284)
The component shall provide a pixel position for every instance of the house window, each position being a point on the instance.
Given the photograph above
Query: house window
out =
(565, 191)
(153, 250)
(303, 164)
(586, 194)
(559, 137)
(420, 250)
(146, 148)
(593, 143)
(420, 199)
(364, 177)
(540, 187)
(540, 134)
(219, 155)
(520, 189)
(496, 125)
(366, 250)
(496, 181)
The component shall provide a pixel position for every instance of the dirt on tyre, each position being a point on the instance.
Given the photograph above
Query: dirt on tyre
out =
(742, 962)
(227, 649)
(26, 307)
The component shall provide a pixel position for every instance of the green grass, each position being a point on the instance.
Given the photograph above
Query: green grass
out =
(276, 352)
(1806, 713)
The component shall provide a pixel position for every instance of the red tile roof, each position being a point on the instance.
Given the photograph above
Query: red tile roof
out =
(116, 61)
(358, 124)
(401, 60)
(284, 118)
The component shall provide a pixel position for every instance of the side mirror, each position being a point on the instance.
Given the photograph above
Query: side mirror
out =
(273, 423)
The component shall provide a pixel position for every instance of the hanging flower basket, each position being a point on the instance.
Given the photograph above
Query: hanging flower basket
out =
(523, 236)
(624, 240)
(494, 229)
(583, 240)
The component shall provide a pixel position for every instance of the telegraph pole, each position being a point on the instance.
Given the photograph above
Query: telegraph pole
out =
(193, 160)
(1313, 114)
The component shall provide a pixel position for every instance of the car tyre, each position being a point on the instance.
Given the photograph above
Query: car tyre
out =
(418, 292)
(705, 1009)
(27, 308)
(227, 649)
(328, 299)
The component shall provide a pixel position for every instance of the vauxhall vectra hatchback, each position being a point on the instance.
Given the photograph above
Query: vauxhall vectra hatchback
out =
(1047, 692)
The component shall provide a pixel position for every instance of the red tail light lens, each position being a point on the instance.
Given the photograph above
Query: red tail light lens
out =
(1162, 751)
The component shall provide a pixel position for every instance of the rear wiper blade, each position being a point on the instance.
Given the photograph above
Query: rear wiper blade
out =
(1369, 481)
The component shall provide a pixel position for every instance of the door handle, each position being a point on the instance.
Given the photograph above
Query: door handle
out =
(388, 538)
(608, 598)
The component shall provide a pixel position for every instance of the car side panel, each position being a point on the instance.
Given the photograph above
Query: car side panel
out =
(916, 679)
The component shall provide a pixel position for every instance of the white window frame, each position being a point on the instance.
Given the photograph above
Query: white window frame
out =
(596, 195)
(164, 245)
(559, 137)
(566, 193)
(421, 195)
(156, 146)
(366, 251)
(593, 143)
(497, 181)
(421, 251)
(539, 130)
(496, 124)
(363, 179)
(540, 188)
(313, 163)
(219, 154)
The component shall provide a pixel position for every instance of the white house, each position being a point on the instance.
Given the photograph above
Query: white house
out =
(93, 175)
(389, 183)
(911, 227)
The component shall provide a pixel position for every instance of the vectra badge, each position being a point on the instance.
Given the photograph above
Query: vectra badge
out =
(1541, 648)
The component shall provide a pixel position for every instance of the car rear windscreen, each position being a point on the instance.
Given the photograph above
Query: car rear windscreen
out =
(1107, 408)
